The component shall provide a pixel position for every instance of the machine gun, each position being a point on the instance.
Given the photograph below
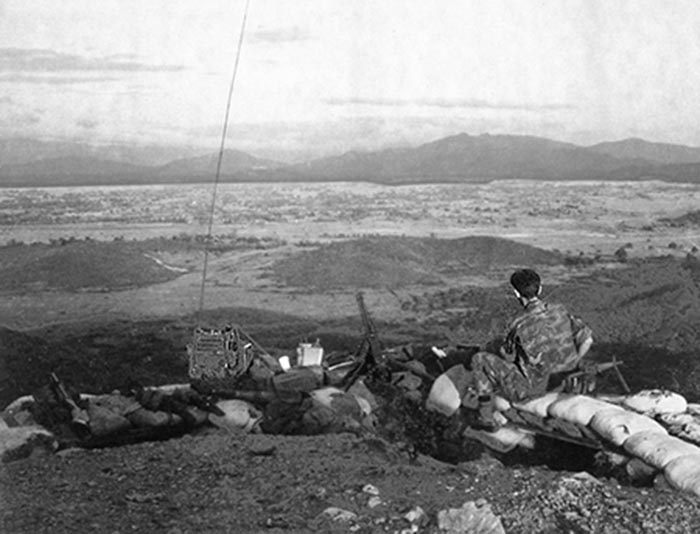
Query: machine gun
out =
(80, 421)
(369, 351)
(584, 380)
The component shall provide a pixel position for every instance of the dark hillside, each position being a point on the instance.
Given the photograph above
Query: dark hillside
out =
(393, 262)
(79, 266)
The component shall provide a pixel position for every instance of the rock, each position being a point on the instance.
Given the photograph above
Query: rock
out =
(338, 514)
(370, 489)
(472, 517)
(416, 516)
(374, 501)
(21, 442)
(582, 477)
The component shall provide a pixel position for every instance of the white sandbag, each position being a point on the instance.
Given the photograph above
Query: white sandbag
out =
(616, 424)
(684, 473)
(577, 409)
(540, 405)
(693, 408)
(20, 403)
(656, 401)
(683, 425)
(21, 442)
(239, 415)
(658, 448)
(503, 440)
(501, 404)
(444, 397)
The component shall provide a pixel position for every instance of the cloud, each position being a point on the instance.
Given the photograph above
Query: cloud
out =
(45, 60)
(54, 79)
(6, 100)
(280, 35)
(23, 119)
(87, 124)
(468, 103)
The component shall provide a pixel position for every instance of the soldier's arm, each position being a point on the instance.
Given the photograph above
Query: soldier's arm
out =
(508, 350)
(583, 336)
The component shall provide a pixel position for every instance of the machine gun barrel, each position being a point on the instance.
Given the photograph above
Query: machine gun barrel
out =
(79, 417)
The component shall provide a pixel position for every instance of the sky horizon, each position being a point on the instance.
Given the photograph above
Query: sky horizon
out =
(317, 77)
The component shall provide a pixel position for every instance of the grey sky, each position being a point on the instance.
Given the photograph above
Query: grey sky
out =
(324, 75)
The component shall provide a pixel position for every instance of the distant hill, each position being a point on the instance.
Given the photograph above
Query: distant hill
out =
(459, 158)
(71, 170)
(18, 151)
(641, 150)
(86, 170)
(233, 163)
(465, 158)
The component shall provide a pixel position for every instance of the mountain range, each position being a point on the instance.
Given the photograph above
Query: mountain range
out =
(458, 158)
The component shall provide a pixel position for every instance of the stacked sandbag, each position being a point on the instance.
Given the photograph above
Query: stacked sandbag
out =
(577, 409)
(616, 425)
(656, 401)
(540, 405)
(448, 390)
(683, 425)
(504, 439)
(683, 473)
(658, 448)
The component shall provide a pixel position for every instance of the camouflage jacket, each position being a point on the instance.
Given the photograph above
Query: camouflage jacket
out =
(545, 339)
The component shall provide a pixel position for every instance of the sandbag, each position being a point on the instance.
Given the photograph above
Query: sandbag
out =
(693, 408)
(501, 404)
(539, 405)
(444, 397)
(238, 415)
(616, 424)
(684, 473)
(21, 442)
(503, 440)
(577, 409)
(658, 448)
(684, 425)
(656, 401)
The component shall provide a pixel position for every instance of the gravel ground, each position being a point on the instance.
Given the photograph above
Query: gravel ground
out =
(219, 482)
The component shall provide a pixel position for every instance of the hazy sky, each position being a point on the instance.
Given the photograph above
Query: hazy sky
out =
(332, 75)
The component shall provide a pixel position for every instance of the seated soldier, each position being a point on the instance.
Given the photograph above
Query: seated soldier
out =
(544, 339)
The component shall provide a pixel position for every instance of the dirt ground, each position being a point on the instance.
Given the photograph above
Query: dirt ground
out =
(643, 308)
(645, 313)
(256, 483)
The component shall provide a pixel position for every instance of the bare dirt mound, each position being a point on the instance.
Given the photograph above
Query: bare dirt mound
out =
(79, 265)
(394, 262)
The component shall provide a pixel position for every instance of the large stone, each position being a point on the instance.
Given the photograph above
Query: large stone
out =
(472, 517)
